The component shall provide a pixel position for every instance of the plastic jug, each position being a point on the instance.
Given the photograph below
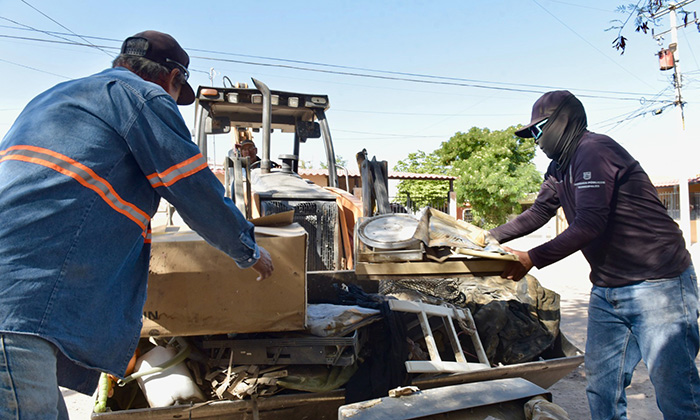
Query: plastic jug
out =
(172, 385)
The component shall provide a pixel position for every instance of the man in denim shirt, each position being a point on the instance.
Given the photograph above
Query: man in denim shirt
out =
(644, 298)
(82, 171)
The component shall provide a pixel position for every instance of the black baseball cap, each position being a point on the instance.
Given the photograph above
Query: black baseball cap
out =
(544, 108)
(163, 49)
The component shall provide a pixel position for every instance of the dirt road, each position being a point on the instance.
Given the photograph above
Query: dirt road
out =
(569, 278)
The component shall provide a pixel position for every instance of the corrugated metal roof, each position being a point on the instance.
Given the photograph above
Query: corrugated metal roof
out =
(670, 182)
(324, 172)
(392, 174)
(356, 173)
(658, 181)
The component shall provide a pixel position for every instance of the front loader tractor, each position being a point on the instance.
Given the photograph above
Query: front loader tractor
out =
(268, 186)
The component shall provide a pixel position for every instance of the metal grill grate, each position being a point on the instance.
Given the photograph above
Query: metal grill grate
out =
(319, 219)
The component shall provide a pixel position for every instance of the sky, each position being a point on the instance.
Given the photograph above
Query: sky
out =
(402, 76)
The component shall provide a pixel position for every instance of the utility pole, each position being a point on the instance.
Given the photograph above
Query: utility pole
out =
(684, 173)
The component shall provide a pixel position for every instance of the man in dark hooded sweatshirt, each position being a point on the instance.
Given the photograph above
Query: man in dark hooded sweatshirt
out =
(644, 299)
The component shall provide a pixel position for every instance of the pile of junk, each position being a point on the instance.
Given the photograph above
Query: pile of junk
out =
(423, 326)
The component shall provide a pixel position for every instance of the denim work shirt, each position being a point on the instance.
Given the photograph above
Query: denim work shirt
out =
(82, 171)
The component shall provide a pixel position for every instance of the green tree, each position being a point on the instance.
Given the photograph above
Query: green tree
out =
(495, 171)
(339, 161)
(423, 192)
(306, 164)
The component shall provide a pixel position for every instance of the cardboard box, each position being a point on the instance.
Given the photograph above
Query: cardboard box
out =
(195, 289)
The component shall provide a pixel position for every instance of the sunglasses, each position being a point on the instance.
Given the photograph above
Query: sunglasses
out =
(139, 47)
(183, 69)
(536, 130)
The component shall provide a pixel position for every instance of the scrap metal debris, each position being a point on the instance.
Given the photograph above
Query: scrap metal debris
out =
(403, 390)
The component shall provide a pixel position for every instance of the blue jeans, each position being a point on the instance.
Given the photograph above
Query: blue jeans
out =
(28, 385)
(657, 321)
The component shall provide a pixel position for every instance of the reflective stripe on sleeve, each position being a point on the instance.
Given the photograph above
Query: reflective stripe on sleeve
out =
(177, 172)
(81, 173)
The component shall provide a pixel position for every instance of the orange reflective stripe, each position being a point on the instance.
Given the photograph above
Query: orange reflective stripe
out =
(92, 174)
(176, 172)
(81, 173)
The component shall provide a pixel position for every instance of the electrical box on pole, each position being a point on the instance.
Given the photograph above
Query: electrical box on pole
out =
(666, 60)
(684, 172)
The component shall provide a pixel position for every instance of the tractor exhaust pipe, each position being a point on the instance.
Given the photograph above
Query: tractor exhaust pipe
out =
(266, 125)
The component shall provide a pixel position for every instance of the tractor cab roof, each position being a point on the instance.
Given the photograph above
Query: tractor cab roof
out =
(243, 107)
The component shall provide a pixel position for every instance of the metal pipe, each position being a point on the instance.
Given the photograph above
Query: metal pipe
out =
(347, 177)
(201, 131)
(266, 125)
(328, 143)
(297, 144)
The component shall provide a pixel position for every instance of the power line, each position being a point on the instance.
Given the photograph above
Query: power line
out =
(29, 28)
(405, 79)
(344, 73)
(419, 113)
(63, 26)
(690, 48)
(644, 105)
(399, 73)
(34, 68)
(581, 6)
(410, 76)
(587, 42)
(404, 137)
(55, 32)
(69, 42)
(387, 134)
(645, 109)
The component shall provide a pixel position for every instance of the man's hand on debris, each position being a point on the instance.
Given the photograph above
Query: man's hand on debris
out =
(264, 265)
(517, 269)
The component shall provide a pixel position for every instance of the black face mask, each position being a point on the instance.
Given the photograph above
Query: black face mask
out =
(563, 130)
